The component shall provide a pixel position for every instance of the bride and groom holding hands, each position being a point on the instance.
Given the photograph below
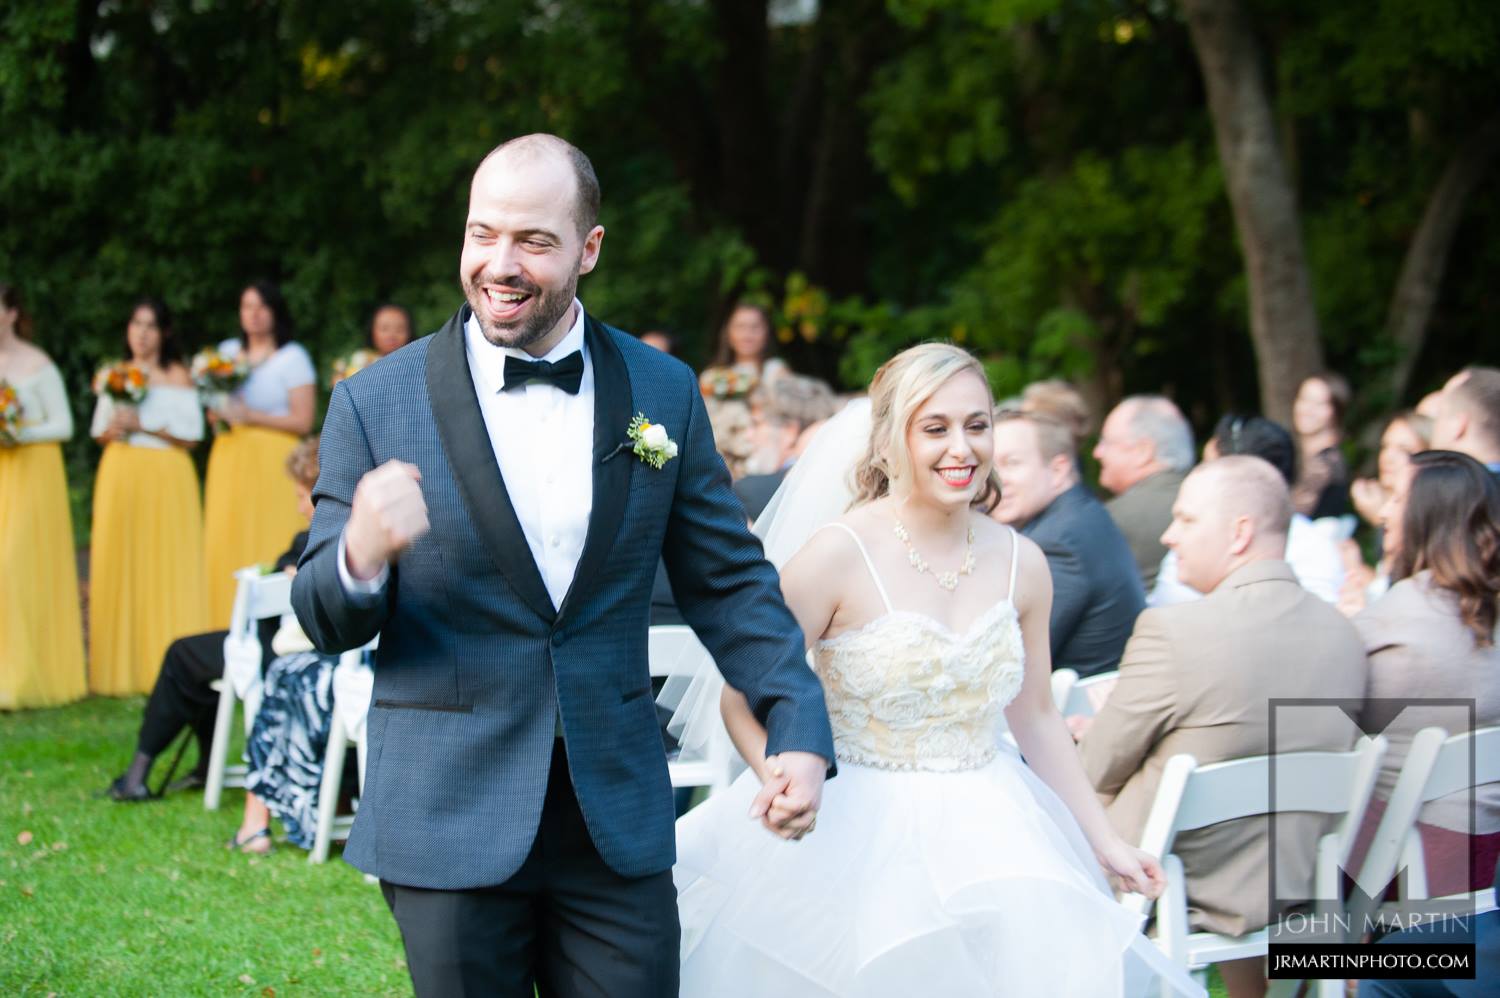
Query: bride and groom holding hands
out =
(494, 500)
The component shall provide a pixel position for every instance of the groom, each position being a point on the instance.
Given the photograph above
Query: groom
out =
(483, 510)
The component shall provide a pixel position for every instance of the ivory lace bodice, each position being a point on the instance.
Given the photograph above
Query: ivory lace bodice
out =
(906, 692)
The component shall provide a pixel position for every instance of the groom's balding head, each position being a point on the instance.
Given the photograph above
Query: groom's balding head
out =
(540, 147)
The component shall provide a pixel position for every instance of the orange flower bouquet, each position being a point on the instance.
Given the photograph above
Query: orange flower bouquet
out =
(10, 414)
(727, 382)
(348, 367)
(216, 375)
(123, 382)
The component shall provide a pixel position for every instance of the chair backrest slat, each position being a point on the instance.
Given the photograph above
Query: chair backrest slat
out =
(1086, 695)
(1450, 772)
(270, 596)
(673, 650)
(1305, 781)
(1435, 766)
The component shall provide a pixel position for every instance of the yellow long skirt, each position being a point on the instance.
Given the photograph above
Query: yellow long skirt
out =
(145, 565)
(249, 509)
(41, 631)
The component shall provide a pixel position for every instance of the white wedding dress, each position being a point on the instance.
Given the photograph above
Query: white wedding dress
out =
(941, 865)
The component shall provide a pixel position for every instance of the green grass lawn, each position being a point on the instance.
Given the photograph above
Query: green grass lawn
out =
(99, 898)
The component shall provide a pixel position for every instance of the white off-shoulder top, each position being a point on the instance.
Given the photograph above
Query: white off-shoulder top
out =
(171, 409)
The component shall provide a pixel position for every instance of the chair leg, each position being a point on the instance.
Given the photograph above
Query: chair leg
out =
(218, 754)
(361, 754)
(328, 792)
(1171, 918)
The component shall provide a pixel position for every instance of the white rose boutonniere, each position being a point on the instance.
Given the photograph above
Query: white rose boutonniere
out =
(652, 444)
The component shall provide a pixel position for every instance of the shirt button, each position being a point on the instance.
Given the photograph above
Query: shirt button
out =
(556, 540)
(551, 478)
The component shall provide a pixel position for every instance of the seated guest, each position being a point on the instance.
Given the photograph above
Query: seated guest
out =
(1145, 450)
(1468, 416)
(1433, 636)
(1060, 402)
(779, 411)
(1196, 678)
(1322, 485)
(287, 742)
(1313, 555)
(1096, 590)
(182, 697)
(1405, 434)
(1482, 931)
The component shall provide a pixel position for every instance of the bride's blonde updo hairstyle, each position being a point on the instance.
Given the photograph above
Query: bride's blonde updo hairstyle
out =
(900, 388)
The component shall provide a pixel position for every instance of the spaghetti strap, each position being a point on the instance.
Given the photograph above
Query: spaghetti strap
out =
(874, 576)
(1015, 550)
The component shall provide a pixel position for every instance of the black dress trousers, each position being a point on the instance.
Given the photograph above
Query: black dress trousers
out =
(565, 923)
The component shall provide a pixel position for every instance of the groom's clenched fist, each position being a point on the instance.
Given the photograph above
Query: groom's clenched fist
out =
(387, 515)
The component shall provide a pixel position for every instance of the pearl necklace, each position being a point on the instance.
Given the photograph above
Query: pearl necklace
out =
(948, 580)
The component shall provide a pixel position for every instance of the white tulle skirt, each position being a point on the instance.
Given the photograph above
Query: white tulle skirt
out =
(914, 883)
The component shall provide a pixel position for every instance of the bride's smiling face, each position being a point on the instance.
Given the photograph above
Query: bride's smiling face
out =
(950, 444)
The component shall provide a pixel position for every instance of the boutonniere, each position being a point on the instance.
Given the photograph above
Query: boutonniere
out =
(652, 444)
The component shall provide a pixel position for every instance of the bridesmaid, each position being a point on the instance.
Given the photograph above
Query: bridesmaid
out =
(146, 560)
(745, 358)
(41, 633)
(1322, 485)
(249, 505)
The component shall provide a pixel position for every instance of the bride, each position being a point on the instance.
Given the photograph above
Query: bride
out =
(938, 862)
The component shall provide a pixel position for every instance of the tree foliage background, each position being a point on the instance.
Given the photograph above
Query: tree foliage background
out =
(1036, 179)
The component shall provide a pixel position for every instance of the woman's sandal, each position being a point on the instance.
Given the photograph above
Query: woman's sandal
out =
(251, 843)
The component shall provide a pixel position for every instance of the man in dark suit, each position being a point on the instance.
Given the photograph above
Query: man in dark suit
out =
(494, 501)
(1096, 589)
(779, 413)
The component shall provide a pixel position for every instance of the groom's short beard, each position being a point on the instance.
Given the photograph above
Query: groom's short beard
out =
(547, 310)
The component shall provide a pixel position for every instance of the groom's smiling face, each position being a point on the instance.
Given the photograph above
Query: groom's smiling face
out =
(523, 249)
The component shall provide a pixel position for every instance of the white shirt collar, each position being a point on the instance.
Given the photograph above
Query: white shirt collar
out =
(488, 360)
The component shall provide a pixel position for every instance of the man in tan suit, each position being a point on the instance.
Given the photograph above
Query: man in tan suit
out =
(1196, 678)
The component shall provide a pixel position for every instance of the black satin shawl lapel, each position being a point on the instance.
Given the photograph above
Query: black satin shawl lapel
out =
(612, 467)
(460, 424)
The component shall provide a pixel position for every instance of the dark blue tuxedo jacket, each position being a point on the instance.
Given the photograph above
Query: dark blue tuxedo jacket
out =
(475, 666)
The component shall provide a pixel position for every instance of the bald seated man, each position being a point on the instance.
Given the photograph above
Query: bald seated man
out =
(1467, 416)
(1197, 677)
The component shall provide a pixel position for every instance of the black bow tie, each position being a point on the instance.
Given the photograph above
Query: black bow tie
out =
(566, 374)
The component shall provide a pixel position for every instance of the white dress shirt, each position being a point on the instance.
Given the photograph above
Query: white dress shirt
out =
(543, 439)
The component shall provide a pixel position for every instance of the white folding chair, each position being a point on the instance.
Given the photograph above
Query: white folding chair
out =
(674, 650)
(1435, 766)
(1192, 796)
(256, 598)
(1063, 681)
(353, 684)
(1087, 695)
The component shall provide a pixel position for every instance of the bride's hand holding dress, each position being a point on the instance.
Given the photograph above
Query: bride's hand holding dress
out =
(1048, 746)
